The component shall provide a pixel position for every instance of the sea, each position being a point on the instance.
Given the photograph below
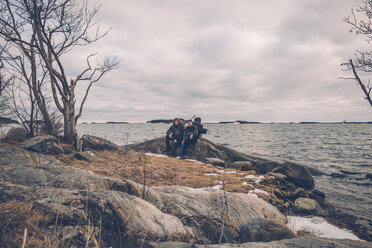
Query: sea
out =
(342, 151)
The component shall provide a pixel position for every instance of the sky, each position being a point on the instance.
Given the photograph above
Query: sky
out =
(256, 60)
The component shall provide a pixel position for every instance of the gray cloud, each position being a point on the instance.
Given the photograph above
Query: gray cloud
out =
(225, 60)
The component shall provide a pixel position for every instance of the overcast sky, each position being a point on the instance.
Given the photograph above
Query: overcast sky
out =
(226, 60)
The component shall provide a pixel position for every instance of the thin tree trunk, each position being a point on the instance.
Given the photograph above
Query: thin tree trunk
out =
(366, 91)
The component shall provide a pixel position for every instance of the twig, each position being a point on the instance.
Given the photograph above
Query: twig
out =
(24, 238)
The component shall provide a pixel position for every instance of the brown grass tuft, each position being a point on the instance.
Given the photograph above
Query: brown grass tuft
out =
(15, 216)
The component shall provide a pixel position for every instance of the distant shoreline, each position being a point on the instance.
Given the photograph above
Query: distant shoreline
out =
(230, 122)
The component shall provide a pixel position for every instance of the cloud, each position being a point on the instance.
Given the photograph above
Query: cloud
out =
(225, 60)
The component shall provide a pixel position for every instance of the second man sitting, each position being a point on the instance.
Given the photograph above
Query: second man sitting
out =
(174, 137)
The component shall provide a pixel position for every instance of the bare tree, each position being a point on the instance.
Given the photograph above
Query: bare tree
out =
(4, 85)
(52, 28)
(360, 22)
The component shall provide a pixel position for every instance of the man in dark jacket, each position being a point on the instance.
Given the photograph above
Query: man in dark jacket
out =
(174, 136)
(191, 135)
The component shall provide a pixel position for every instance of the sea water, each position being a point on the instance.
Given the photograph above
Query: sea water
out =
(344, 149)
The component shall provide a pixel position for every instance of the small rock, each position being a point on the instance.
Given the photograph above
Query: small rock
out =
(43, 144)
(241, 165)
(291, 186)
(337, 175)
(96, 143)
(86, 156)
(297, 174)
(278, 176)
(18, 134)
(215, 161)
(263, 230)
(299, 192)
(308, 206)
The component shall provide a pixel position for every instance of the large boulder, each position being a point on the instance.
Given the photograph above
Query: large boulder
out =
(17, 134)
(205, 210)
(263, 230)
(117, 216)
(96, 143)
(43, 144)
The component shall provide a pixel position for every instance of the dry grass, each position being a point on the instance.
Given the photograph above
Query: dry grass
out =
(15, 216)
(166, 171)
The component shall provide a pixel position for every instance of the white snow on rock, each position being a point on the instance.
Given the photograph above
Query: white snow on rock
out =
(217, 187)
(210, 174)
(319, 227)
(258, 191)
(258, 178)
(155, 155)
(195, 161)
(225, 172)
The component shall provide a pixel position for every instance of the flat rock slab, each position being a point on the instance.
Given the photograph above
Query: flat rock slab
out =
(43, 144)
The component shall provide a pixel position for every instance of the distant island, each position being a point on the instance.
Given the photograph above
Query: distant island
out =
(239, 122)
(169, 121)
(5, 120)
(117, 122)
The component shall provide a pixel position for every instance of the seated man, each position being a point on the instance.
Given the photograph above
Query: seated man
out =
(174, 135)
(201, 129)
(191, 135)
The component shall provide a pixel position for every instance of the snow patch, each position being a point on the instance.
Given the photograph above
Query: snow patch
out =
(260, 191)
(319, 227)
(210, 174)
(225, 172)
(258, 179)
(253, 195)
(217, 187)
(155, 155)
(194, 161)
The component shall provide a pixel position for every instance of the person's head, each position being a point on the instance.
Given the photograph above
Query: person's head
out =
(190, 122)
(176, 121)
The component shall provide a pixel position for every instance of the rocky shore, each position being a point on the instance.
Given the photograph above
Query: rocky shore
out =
(134, 197)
